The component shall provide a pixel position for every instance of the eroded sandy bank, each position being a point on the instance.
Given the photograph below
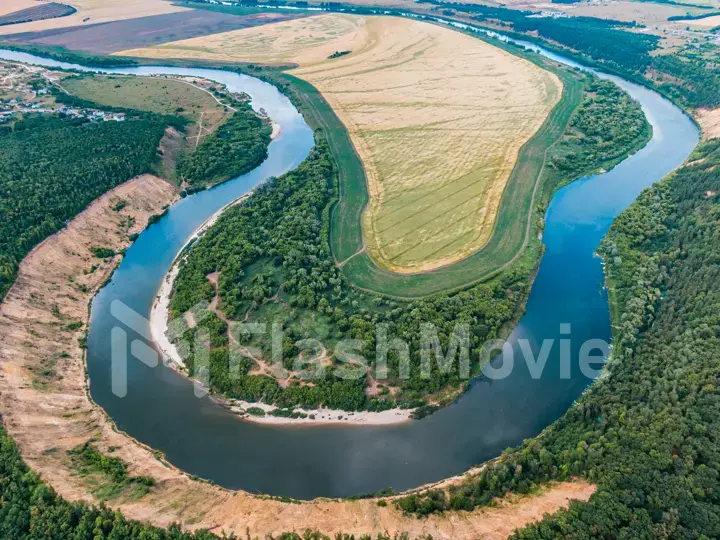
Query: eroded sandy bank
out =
(159, 321)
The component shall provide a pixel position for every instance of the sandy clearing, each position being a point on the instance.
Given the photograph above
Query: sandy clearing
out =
(709, 120)
(706, 23)
(46, 422)
(322, 416)
(437, 117)
(95, 11)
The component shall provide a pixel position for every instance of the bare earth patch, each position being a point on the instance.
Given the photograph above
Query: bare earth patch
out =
(437, 117)
(709, 120)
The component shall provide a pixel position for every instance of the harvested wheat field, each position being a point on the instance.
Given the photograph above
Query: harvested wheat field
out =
(707, 23)
(437, 117)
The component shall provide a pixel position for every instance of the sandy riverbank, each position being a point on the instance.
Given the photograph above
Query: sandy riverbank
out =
(159, 321)
(321, 416)
(276, 130)
(159, 314)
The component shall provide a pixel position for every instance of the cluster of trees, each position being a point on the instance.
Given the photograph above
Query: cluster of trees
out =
(646, 432)
(692, 80)
(282, 227)
(275, 265)
(607, 126)
(239, 145)
(89, 459)
(51, 168)
(280, 237)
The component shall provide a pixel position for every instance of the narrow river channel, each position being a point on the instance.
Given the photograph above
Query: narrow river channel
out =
(204, 439)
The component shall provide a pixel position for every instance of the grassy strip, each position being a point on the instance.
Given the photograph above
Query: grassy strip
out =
(108, 474)
(346, 215)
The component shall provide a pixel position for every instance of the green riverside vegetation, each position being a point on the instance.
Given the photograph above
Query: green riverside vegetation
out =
(238, 146)
(646, 432)
(52, 166)
(274, 264)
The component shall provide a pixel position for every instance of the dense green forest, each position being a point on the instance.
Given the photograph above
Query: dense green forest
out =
(274, 264)
(239, 145)
(51, 168)
(236, 147)
(646, 433)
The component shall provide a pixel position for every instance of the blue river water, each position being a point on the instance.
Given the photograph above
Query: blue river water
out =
(204, 439)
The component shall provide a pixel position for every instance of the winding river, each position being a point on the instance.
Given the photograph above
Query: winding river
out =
(204, 439)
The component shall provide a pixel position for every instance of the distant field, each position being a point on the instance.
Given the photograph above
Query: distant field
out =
(704, 23)
(307, 41)
(158, 95)
(215, 134)
(108, 37)
(643, 12)
(437, 117)
(37, 13)
(10, 6)
(89, 12)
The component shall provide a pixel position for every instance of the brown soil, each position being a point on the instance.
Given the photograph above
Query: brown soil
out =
(709, 120)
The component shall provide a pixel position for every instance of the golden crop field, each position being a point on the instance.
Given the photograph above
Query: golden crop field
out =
(438, 118)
